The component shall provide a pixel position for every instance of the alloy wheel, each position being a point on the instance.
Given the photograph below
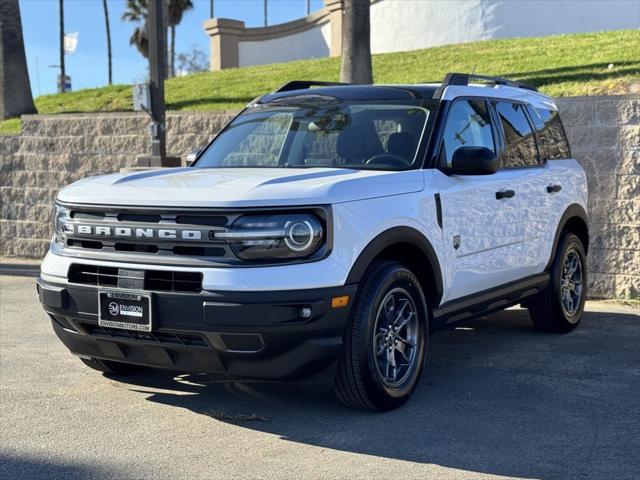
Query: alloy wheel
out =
(571, 283)
(395, 341)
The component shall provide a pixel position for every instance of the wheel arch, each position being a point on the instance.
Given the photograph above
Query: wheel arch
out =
(410, 247)
(574, 220)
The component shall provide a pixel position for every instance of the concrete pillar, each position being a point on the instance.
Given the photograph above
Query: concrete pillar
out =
(335, 17)
(224, 35)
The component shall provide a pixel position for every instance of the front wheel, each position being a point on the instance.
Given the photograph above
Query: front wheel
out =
(559, 308)
(385, 342)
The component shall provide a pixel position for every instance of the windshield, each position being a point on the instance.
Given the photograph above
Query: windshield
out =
(322, 133)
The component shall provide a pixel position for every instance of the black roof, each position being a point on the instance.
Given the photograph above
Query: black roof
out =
(305, 89)
(358, 92)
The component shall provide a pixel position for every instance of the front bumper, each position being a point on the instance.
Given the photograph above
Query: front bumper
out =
(243, 334)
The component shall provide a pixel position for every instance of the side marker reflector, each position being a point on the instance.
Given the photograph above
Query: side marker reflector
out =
(340, 302)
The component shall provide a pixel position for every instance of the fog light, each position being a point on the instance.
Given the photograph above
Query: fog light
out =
(305, 312)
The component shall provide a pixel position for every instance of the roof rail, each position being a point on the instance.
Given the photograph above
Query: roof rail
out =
(464, 78)
(304, 84)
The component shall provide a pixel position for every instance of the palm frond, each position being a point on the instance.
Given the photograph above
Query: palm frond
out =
(176, 10)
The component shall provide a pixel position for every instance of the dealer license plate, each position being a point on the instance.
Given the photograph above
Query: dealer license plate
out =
(126, 310)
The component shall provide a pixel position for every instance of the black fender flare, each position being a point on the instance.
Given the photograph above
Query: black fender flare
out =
(389, 238)
(574, 210)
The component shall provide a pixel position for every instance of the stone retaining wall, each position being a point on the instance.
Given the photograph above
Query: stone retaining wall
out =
(56, 150)
(53, 151)
(604, 133)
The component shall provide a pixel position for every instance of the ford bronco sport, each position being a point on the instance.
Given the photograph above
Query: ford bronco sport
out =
(327, 228)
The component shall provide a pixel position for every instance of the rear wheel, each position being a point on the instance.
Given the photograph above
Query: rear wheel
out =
(559, 309)
(111, 368)
(385, 342)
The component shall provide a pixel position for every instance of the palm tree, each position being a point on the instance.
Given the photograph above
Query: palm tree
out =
(63, 75)
(136, 11)
(266, 21)
(15, 90)
(106, 21)
(356, 42)
(175, 10)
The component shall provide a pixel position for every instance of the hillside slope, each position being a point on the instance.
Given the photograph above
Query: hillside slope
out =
(564, 65)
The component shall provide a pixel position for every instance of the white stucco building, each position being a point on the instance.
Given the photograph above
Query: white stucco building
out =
(402, 25)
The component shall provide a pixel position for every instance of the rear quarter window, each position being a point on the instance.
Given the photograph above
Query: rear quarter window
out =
(551, 135)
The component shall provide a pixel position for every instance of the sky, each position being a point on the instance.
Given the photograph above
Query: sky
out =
(88, 65)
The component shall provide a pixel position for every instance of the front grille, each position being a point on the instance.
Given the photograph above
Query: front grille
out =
(153, 280)
(203, 222)
(139, 218)
(169, 281)
(166, 338)
(85, 244)
(135, 247)
(93, 275)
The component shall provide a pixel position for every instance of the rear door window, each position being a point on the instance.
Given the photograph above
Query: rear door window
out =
(520, 142)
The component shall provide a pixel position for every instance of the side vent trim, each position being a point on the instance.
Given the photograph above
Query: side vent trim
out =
(438, 209)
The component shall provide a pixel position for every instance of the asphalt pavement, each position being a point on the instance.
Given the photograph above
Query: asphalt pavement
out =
(497, 400)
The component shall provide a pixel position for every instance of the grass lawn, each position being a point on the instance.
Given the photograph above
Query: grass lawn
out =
(10, 126)
(562, 65)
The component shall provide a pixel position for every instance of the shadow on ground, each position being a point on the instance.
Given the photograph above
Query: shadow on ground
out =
(20, 466)
(497, 398)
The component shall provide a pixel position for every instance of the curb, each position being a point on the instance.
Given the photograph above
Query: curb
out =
(20, 270)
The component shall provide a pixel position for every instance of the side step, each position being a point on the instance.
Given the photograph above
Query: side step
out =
(489, 301)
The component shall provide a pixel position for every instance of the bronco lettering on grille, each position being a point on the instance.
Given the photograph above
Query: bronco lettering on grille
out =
(75, 229)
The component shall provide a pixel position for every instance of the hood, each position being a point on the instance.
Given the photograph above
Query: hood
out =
(240, 187)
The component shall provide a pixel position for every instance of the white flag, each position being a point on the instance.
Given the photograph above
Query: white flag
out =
(70, 42)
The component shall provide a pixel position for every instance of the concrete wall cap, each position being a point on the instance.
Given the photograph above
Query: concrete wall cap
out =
(223, 25)
(288, 28)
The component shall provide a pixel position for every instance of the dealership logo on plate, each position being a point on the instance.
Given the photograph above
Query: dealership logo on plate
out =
(114, 309)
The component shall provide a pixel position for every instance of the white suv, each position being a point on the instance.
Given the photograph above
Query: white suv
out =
(328, 229)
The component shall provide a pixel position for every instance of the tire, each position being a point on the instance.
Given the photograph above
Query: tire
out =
(549, 312)
(365, 378)
(110, 368)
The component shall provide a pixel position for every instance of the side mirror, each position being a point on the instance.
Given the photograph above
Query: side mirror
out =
(192, 156)
(473, 161)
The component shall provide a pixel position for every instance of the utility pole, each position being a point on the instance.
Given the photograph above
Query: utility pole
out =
(266, 21)
(63, 76)
(157, 67)
(149, 97)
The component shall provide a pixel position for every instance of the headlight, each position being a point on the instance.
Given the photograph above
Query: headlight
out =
(264, 237)
(60, 218)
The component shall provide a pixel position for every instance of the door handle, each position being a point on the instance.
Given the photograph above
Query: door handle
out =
(505, 194)
(554, 188)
